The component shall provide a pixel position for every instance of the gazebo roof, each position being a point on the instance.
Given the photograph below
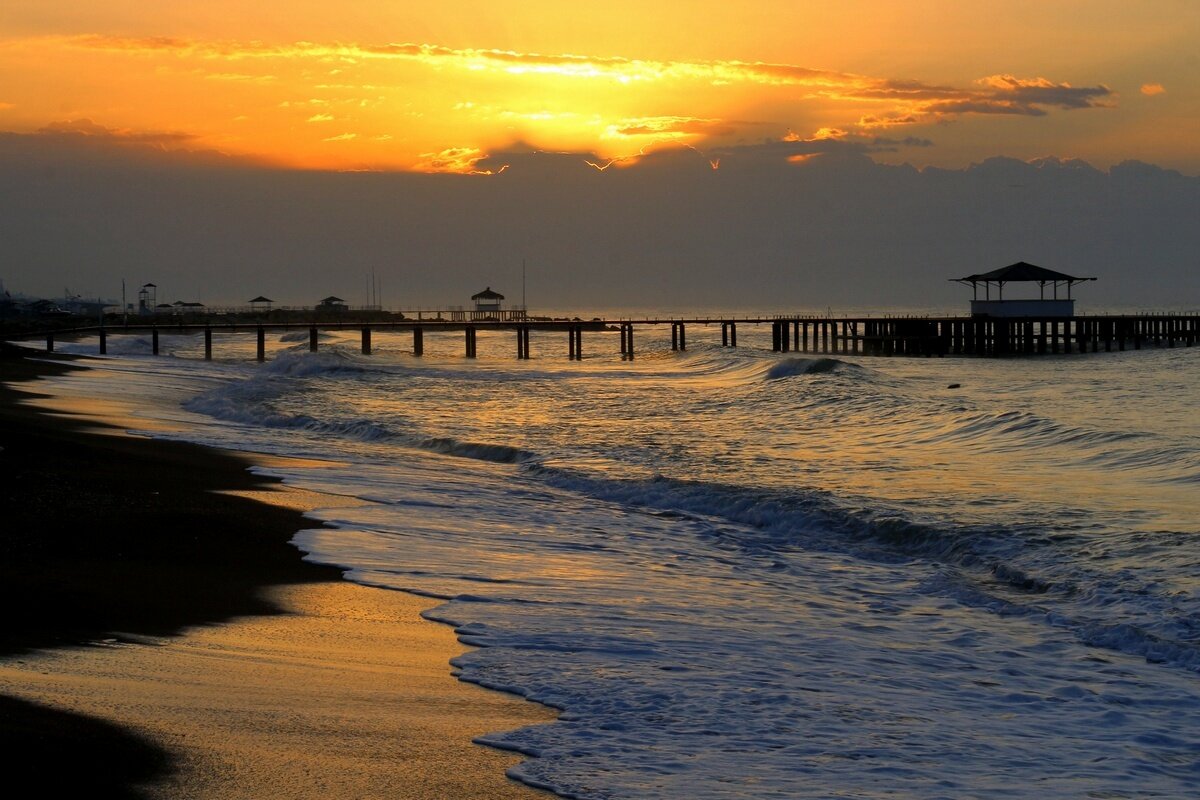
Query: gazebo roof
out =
(332, 299)
(1021, 271)
(487, 294)
(261, 299)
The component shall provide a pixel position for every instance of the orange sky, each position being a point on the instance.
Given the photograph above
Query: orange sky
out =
(386, 85)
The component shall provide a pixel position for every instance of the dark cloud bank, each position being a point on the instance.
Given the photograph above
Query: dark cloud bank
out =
(835, 229)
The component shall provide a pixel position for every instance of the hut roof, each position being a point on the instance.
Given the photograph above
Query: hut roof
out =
(332, 299)
(1021, 271)
(487, 294)
(261, 299)
(149, 286)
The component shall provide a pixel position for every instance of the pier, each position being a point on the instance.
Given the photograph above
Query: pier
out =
(859, 336)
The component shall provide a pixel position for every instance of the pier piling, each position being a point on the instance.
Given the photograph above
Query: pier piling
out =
(523, 342)
(906, 336)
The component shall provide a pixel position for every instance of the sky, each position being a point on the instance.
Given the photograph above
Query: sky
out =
(758, 88)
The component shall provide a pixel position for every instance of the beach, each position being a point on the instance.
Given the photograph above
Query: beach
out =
(163, 638)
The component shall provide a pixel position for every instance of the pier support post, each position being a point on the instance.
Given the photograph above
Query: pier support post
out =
(525, 340)
(674, 336)
(312, 339)
(629, 340)
(154, 341)
(624, 344)
(49, 342)
(724, 334)
(579, 343)
(207, 344)
(785, 336)
(103, 342)
(682, 337)
(733, 334)
(418, 341)
(366, 341)
(775, 344)
(469, 341)
(262, 343)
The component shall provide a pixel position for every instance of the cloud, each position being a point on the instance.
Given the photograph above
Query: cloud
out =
(670, 126)
(88, 128)
(452, 159)
(826, 141)
(7, 106)
(341, 137)
(1152, 89)
(620, 122)
(914, 101)
(1036, 92)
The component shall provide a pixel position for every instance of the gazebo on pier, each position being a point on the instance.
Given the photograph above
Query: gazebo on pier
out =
(1022, 272)
(487, 303)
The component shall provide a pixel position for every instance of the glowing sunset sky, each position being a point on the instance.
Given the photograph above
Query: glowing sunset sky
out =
(421, 86)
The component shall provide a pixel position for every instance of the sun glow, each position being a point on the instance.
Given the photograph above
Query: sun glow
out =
(355, 102)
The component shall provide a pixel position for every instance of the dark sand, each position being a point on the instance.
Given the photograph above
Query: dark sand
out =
(114, 548)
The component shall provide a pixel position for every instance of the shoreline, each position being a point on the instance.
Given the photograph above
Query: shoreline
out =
(128, 559)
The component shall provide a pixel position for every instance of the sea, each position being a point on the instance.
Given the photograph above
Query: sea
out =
(746, 574)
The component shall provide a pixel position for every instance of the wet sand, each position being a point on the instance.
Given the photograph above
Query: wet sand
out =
(161, 639)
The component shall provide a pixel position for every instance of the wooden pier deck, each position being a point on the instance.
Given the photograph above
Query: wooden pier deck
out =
(864, 336)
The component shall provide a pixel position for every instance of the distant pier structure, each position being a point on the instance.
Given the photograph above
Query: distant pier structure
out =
(1022, 272)
(996, 326)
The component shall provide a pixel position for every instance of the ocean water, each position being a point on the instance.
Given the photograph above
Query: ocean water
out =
(742, 574)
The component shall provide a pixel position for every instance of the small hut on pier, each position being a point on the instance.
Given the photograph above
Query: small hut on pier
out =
(487, 302)
(332, 303)
(1022, 272)
(261, 303)
(147, 298)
